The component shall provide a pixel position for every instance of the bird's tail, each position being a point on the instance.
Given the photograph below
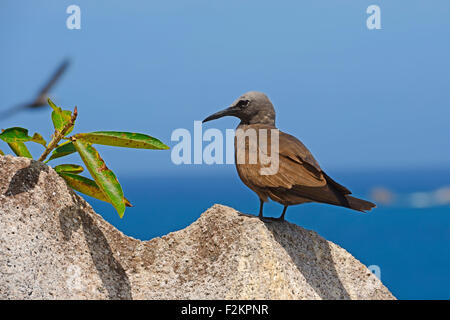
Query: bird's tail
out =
(359, 204)
(338, 196)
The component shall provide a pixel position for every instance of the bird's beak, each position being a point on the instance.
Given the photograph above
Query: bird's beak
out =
(231, 111)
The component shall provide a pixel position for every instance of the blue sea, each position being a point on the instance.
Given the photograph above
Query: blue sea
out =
(410, 244)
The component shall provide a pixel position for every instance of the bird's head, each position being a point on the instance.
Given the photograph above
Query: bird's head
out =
(251, 108)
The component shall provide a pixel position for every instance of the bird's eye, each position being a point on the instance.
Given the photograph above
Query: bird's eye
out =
(242, 103)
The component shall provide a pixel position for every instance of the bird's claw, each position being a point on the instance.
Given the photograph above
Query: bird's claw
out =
(270, 219)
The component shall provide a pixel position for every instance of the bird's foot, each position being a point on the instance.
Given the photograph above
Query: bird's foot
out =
(264, 219)
(270, 219)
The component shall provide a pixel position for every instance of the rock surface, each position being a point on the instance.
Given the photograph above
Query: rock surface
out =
(54, 246)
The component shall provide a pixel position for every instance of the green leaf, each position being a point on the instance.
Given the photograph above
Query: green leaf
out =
(38, 139)
(60, 117)
(15, 134)
(62, 150)
(86, 186)
(122, 139)
(70, 168)
(1, 153)
(20, 149)
(105, 178)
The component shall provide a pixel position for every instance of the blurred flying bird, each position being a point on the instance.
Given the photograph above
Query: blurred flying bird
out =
(41, 98)
(299, 178)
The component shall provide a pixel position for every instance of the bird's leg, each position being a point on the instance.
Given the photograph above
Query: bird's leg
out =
(281, 218)
(261, 204)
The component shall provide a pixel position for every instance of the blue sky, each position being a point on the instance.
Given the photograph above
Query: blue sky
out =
(357, 98)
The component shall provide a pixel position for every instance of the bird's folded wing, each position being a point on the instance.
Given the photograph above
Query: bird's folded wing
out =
(289, 174)
(295, 150)
(292, 148)
(336, 185)
(296, 166)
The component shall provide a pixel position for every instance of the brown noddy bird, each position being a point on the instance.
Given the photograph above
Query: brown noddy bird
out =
(299, 178)
(41, 98)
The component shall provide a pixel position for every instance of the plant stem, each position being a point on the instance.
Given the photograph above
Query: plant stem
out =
(58, 135)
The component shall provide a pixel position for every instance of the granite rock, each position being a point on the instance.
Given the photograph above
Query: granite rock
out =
(54, 246)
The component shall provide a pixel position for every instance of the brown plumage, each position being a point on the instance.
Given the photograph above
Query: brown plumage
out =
(299, 178)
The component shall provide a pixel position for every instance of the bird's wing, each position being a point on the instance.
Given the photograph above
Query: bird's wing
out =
(41, 95)
(292, 148)
(336, 185)
(58, 73)
(296, 166)
(298, 178)
(295, 150)
(4, 114)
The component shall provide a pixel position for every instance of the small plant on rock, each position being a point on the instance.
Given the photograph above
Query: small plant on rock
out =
(105, 185)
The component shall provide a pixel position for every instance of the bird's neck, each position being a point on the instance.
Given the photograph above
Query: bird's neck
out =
(262, 120)
(245, 125)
